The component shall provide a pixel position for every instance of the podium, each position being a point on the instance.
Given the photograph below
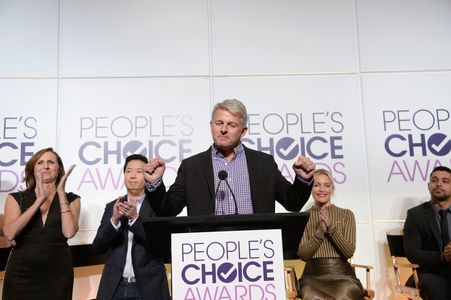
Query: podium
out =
(159, 229)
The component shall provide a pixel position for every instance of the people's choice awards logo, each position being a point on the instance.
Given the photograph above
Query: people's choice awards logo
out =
(417, 141)
(228, 270)
(17, 145)
(318, 135)
(107, 141)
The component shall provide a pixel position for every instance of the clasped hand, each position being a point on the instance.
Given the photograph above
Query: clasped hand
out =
(447, 253)
(325, 220)
(42, 192)
(124, 208)
(62, 184)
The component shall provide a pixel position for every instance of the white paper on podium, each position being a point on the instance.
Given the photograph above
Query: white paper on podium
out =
(245, 265)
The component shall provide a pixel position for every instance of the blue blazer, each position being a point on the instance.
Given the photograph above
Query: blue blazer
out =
(149, 271)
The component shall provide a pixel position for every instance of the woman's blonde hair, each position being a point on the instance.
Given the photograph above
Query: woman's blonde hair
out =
(318, 172)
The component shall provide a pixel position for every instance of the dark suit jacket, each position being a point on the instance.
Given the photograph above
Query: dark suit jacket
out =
(149, 272)
(422, 238)
(194, 187)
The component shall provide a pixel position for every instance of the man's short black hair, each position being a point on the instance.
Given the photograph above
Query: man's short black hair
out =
(135, 157)
(440, 168)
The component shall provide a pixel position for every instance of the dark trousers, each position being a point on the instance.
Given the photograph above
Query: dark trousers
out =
(127, 291)
(435, 286)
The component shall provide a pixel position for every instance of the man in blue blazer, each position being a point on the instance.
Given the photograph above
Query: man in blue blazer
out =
(228, 178)
(427, 235)
(130, 271)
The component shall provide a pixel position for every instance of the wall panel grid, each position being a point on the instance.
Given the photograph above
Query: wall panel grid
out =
(362, 87)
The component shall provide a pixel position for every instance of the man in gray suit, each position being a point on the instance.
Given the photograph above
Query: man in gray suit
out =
(228, 178)
(427, 237)
(130, 271)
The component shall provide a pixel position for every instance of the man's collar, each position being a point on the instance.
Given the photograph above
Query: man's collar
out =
(139, 199)
(238, 150)
(436, 208)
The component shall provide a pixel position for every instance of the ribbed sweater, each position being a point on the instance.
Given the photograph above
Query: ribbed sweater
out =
(339, 241)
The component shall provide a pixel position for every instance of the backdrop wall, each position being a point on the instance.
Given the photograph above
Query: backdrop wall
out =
(362, 87)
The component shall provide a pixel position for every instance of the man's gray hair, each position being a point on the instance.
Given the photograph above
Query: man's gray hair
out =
(235, 107)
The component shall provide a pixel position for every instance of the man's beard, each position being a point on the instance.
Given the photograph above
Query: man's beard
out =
(440, 198)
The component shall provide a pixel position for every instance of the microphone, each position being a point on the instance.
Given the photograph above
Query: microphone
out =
(223, 176)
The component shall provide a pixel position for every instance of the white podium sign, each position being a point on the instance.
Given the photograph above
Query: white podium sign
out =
(228, 265)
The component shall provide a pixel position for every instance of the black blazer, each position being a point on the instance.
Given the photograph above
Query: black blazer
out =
(194, 187)
(149, 272)
(422, 238)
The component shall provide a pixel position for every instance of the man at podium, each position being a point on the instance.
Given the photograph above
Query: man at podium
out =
(228, 178)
